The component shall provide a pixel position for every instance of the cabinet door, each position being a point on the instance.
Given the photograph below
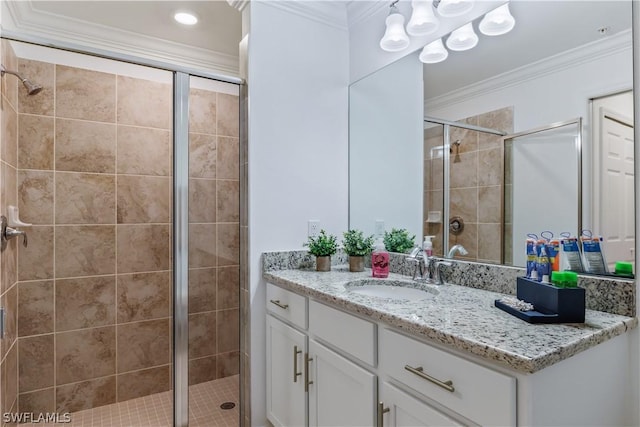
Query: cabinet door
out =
(341, 392)
(286, 399)
(407, 411)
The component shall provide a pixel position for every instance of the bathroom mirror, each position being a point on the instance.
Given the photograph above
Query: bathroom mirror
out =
(551, 68)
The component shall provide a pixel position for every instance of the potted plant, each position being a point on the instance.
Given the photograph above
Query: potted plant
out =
(357, 246)
(322, 246)
(398, 240)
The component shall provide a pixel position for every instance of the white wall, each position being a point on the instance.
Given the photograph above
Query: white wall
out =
(386, 147)
(298, 80)
(550, 91)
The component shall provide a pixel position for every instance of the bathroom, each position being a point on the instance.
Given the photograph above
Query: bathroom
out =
(332, 48)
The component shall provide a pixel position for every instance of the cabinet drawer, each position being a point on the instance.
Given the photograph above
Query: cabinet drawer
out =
(485, 396)
(287, 305)
(344, 331)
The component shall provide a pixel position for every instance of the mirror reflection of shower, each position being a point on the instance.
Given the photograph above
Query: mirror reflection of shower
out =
(32, 88)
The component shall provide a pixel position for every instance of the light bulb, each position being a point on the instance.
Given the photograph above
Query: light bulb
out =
(395, 39)
(449, 8)
(434, 52)
(497, 22)
(464, 38)
(423, 21)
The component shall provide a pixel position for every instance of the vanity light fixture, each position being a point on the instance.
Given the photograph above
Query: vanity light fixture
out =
(451, 8)
(497, 22)
(185, 18)
(434, 52)
(423, 20)
(395, 39)
(464, 38)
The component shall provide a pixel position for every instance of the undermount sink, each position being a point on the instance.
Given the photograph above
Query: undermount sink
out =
(391, 289)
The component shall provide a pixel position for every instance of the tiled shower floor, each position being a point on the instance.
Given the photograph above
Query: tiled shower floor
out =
(156, 410)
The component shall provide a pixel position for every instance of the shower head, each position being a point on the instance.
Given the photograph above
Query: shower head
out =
(32, 88)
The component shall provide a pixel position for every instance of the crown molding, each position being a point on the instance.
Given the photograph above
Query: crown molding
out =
(328, 12)
(362, 10)
(239, 4)
(580, 55)
(22, 18)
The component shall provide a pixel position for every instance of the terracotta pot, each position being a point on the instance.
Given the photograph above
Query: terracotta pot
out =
(356, 263)
(323, 263)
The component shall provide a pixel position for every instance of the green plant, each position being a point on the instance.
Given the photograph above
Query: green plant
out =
(398, 240)
(322, 245)
(355, 244)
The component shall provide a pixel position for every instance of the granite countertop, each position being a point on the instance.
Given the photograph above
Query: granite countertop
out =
(460, 317)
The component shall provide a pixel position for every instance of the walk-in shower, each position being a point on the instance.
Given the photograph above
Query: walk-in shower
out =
(32, 88)
(463, 184)
(125, 306)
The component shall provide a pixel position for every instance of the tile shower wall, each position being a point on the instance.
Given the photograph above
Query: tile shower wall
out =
(214, 236)
(8, 257)
(476, 184)
(94, 168)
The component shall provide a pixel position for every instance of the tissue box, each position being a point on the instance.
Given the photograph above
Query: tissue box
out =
(551, 304)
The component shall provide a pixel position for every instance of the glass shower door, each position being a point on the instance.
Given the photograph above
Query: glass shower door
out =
(214, 253)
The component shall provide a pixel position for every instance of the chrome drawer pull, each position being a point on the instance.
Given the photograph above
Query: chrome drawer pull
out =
(381, 411)
(447, 385)
(296, 374)
(307, 381)
(279, 304)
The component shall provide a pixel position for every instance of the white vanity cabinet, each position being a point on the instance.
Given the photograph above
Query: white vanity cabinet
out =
(342, 393)
(286, 398)
(482, 395)
(399, 409)
(308, 383)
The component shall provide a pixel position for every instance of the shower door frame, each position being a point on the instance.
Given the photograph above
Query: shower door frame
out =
(180, 247)
(446, 145)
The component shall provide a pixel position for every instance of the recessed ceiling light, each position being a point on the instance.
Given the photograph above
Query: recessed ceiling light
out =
(186, 18)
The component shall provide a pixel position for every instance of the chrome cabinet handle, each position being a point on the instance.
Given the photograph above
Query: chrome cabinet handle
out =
(381, 411)
(307, 382)
(447, 385)
(296, 374)
(279, 304)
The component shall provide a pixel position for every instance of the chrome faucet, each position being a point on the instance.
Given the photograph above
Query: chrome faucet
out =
(438, 274)
(424, 267)
(457, 248)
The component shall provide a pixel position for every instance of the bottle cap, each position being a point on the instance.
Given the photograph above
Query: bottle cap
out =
(571, 279)
(624, 268)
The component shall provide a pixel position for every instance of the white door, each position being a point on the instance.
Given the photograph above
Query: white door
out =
(407, 411)
(286, 398)
(617, 194)
(342, 393)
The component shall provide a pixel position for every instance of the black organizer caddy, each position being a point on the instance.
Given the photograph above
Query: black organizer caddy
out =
(550, 304)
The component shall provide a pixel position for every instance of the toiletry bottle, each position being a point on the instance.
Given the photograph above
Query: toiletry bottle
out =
(553, 251)
(593, 257)
(542, 263)
(380, 260)
(570, 256)
(427, 246)
(531, 254)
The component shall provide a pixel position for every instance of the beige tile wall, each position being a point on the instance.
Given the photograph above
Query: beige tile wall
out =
(94, 168)
(476, 185)
(8, 257)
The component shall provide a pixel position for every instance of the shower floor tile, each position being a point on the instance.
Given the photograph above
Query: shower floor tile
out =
(156, 410)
